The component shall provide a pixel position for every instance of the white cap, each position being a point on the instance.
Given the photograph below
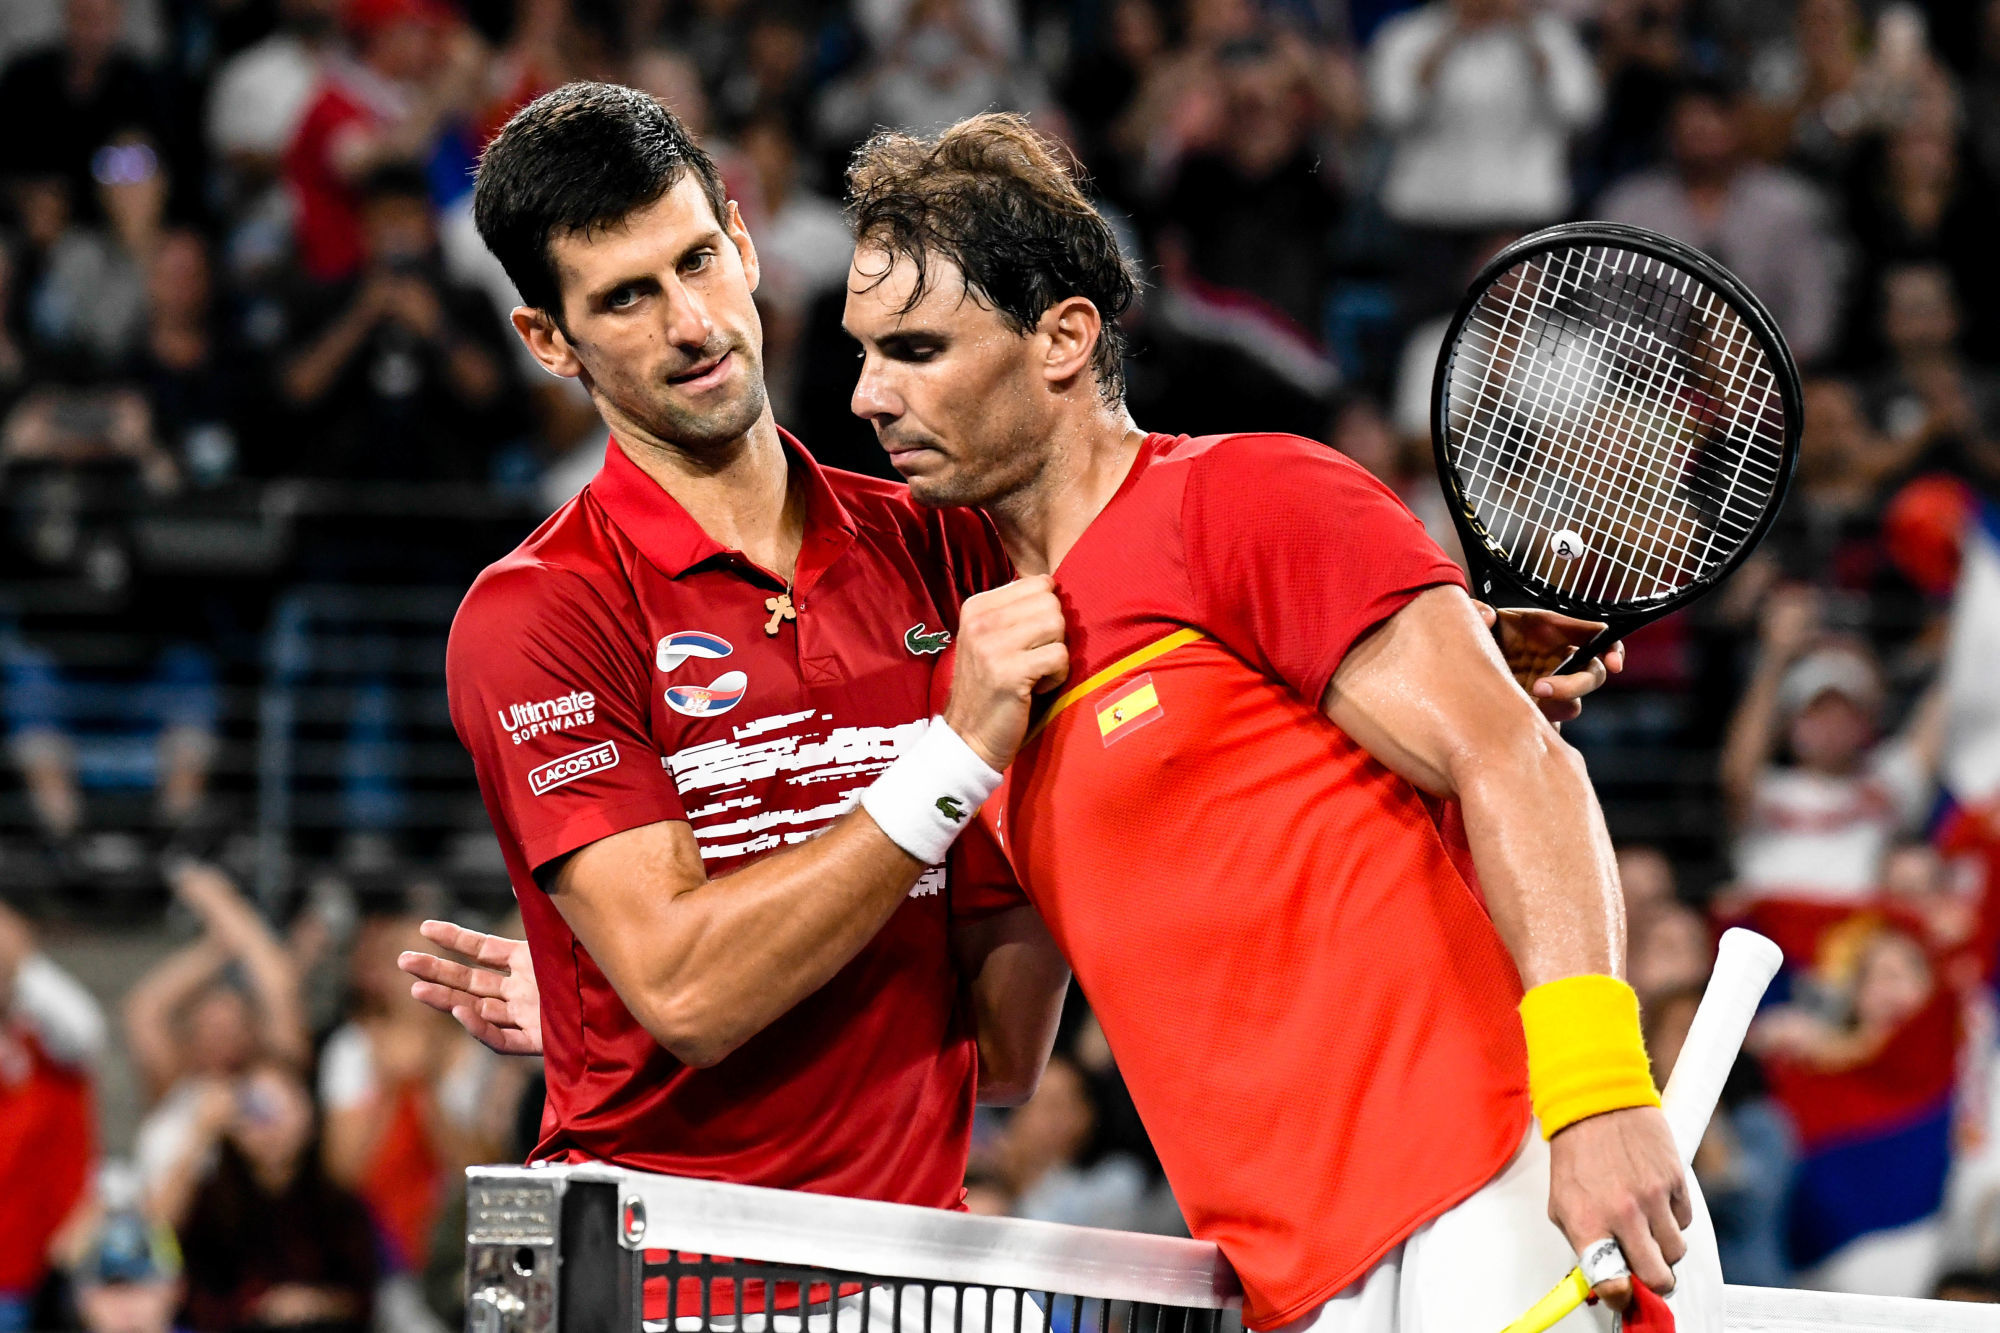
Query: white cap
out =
(1843, 671)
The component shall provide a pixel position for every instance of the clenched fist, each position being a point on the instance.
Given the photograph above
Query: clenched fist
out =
(1010, 648)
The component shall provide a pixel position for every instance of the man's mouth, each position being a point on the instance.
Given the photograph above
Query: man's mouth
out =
(703, 375)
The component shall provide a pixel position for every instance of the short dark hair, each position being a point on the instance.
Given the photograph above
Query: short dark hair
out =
(580, 159)
(1006, 206)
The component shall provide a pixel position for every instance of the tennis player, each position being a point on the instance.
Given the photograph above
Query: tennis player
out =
(1342, 899)
(678, 688)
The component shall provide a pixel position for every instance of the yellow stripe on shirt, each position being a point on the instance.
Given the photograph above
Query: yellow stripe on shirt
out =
(1124, 665)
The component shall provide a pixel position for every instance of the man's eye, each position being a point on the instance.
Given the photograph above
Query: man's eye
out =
(621, 299)
(698, 261)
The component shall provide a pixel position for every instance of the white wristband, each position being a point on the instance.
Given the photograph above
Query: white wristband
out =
(926, 797)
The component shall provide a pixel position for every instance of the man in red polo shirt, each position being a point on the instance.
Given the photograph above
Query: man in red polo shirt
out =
(678, 688)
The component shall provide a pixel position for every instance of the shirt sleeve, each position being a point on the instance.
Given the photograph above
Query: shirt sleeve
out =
(553, 706)
(1294, 553)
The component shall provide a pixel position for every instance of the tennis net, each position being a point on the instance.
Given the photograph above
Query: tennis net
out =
(598, 1249)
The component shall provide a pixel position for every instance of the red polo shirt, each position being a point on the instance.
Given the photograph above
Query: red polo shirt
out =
(621, 668)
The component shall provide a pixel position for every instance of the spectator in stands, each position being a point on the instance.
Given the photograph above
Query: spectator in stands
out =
(196, 1021)
(271, 1243)
(142, 714)
(416, 70)
(1647, 879)
(1891, 981)
(397, 371)
(1866, 1063)
(1833, 85)
(1917, 200)
(1815, 799)
(942, 65)
(87, 312)
(1045, 1156)
(1101, 85)
(774, 80)
(259, 95)
(406, 1098)
(1644, 49)
(77, 96)
(49, 1033)
(1252, 205)
(1670, 948)
(129, 1279)
(1481, 99)
(1847, 469)
(199, 395)
(1770, 227)
(803, 246)
(1929, 400)
(1745, 1159)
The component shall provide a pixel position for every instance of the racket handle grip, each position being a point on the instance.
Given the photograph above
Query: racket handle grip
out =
(1745, 962)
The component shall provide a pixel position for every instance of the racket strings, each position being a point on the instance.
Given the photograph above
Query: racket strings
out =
(1575, 471)
(1607, 394)
(1604, 474)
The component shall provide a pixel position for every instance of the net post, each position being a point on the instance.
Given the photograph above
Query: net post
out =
(512, 1250)
(601, 1257)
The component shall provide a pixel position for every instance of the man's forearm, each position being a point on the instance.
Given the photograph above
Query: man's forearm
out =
(1544, 858)
(1016, 980)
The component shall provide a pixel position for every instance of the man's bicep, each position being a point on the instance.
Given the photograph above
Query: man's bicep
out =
(617, 893)
(1427, 688)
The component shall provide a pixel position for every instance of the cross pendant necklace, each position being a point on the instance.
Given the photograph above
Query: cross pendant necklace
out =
(781, 610)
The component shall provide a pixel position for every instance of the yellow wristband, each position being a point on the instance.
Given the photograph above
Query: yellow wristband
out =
(1585, 1053)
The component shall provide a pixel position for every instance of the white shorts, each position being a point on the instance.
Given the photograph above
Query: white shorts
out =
(1478, 1267)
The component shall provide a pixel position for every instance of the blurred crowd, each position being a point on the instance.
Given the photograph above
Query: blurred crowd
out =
(299, 1159)
(238, 276)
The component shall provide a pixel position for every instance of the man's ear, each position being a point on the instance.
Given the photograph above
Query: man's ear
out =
(545, 342)
(1072, 326)
(739, 236)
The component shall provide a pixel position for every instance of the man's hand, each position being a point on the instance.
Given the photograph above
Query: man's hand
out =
(1618, 1175)
(1010, 648)
(1535, 642)
(497, 1001)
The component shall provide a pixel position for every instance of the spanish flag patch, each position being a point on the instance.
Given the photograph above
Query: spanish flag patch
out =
(1128, 706)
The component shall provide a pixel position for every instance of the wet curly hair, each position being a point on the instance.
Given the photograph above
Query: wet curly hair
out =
(1006, 207)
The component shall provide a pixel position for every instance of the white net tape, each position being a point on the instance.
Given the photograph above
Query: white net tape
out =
(1616, 428)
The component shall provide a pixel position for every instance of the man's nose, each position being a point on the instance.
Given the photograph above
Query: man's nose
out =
(873, 399)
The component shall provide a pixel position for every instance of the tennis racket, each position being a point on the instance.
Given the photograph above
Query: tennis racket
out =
(1616, 420)
(1745, 962)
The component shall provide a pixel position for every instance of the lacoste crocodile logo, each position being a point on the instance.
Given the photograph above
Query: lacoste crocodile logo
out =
(949, 807)
(920, 643)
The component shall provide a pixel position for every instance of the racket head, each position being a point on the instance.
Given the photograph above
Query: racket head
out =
(1607, 388)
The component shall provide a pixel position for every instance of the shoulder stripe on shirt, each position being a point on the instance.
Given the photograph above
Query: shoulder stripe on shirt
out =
(1130, 662)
